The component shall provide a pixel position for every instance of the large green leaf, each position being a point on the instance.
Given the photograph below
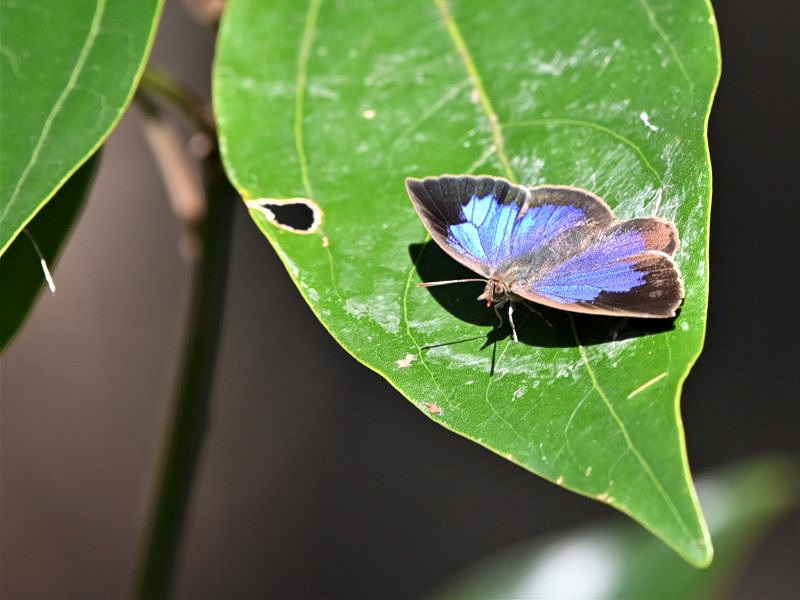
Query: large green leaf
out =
(598, 562)
(21, 278)
(337, 102)
(68, 70)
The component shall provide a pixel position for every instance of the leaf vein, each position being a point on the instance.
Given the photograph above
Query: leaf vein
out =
(414, 341)
(306, 41)
(624, 430)
(475, 76)
(486, 399)
(651, 16)
(443, 101)
(567, 427)
(593, 125)
(83, 55)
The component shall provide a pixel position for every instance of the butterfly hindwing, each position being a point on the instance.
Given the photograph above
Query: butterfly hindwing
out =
(486, 222)
(626, 270)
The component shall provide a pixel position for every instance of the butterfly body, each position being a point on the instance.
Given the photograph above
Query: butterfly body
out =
(558, 246)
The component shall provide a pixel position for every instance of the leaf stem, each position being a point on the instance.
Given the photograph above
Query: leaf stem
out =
(178, 171)
(206, 11)
(210, 235)
(160, 82)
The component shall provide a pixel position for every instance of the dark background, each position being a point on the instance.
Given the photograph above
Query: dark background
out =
(317, 478)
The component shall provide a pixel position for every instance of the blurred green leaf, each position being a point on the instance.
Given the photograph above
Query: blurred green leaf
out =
(741, 502)
(68, 71)
(21, 275)
(337, 102)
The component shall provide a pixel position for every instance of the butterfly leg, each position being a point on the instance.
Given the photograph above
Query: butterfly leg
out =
(537, 313)
(511, 321)
(615, 331)
(496, 307)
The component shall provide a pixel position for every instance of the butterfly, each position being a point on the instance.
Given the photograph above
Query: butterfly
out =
(555, 245)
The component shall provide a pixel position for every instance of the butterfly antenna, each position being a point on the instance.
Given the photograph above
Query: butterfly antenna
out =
(449, 281)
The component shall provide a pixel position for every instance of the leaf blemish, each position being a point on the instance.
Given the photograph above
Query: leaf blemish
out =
(646, 120)
(647, 384)
(298, 215)
(433, 408)
(560, 480)
(405, 362)
(368, 114)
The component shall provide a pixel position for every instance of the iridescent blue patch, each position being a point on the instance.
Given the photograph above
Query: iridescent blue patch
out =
(602, 268)
(493, 233)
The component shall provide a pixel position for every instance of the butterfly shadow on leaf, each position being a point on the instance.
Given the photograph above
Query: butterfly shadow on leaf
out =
(543, 326)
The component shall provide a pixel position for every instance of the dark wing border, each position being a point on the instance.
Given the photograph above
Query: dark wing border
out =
(598, 213)
(439, 201)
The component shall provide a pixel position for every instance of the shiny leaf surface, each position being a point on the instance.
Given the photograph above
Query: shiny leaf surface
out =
(334, 103)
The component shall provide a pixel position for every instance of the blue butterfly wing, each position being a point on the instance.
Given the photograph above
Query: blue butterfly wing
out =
(626, 270)
(487, 223)
(556, 245)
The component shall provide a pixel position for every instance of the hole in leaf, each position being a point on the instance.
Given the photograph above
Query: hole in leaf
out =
(298, 215)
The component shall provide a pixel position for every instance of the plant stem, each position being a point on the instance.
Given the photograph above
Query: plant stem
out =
(160, 82)
(206, 11)
(210, 236)
(179, 171)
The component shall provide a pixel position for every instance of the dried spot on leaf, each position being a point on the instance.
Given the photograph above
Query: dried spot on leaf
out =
(298, 215)
(405, 362)
(433, 408)
(645, 118)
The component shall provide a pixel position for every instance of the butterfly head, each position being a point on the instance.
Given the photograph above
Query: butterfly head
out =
(495, 292)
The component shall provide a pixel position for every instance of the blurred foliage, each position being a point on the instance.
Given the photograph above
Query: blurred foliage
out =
(618, 561)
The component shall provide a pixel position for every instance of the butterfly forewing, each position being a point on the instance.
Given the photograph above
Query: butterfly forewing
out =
(485, 222)
(440, 202)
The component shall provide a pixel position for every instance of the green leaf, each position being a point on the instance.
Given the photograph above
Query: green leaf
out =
(69, 70)
(337, 102)
(742, 503)
(21, 275)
